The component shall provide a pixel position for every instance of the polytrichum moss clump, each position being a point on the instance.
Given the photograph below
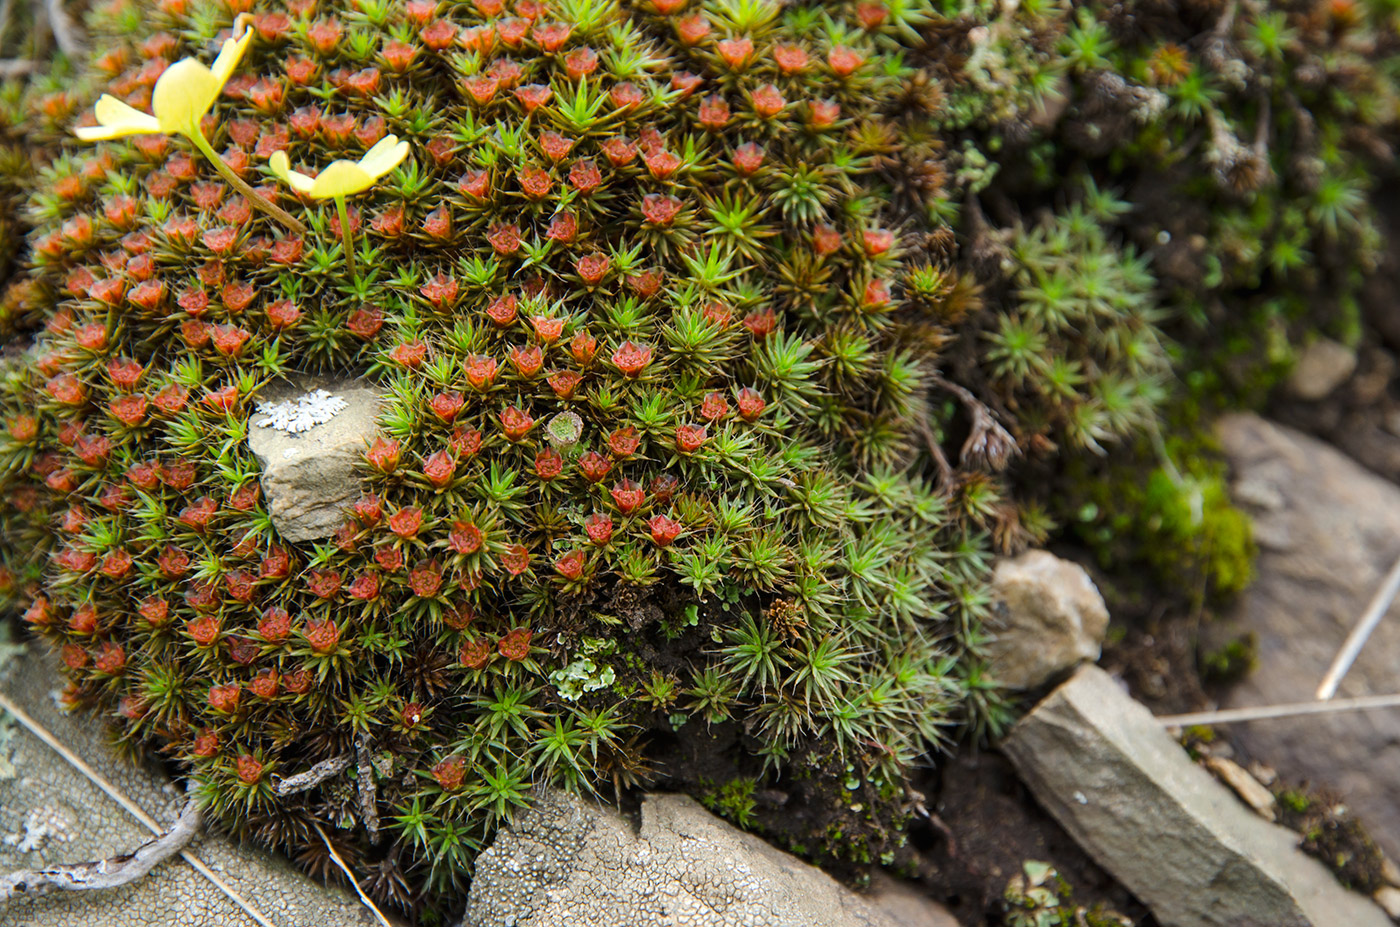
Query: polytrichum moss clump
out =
(638, 304)
(705, 328)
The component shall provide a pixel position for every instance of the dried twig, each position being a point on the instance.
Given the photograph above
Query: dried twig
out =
(369, 799)
(1266, 712)
(335, 857)
(988, 444)
(63, 28)
(1351, 649)
(110, 872)
(135, 810)
(940, 459)
(314, 776)
(942, 827)
(16, 67)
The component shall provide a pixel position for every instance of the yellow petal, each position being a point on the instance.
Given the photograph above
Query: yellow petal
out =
(283, 169)
(340, 178)
(183, 95)
(116, 120)
(386, 155)
(233, 50)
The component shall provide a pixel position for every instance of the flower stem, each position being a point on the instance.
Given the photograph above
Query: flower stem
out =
(238, 183)
(346, 236)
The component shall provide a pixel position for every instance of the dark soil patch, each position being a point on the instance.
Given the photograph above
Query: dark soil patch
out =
(984, 825)
(1153, 641)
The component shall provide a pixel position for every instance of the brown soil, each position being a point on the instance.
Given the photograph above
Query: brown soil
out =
(984, 825)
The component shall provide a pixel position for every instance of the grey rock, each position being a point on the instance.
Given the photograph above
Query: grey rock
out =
(1048, 616)
(1343, 527)
(309, 477)
(906, 904)
(50, 813)
(1323, 366)
(1185, 846)
(571, 863)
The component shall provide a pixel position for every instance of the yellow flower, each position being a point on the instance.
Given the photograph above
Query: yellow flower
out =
(343, 178)
(184, 93)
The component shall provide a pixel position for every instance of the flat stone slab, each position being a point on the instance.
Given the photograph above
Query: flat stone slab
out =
(572, 863)
(1099, 762)
(50, 813)
(309, 456)
(1328, 533)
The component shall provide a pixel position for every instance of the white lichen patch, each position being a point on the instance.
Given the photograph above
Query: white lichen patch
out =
(294, 416)
(40, 826)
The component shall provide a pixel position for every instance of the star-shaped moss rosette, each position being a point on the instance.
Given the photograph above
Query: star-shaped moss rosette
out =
(185, 92)
(344, 178)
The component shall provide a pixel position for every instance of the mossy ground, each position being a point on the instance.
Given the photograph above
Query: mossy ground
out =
(724, 343)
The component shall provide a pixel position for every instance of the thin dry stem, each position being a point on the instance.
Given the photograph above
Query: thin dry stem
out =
(63, 29)
(1291, 710)
(369, 797)
(988, 444)
(1351, 648)
(335, 857)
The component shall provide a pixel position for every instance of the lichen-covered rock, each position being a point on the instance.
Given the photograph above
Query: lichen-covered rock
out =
(50, 813)
(1048, 616)
(569, 862)
(1184, 845)
(309, 464)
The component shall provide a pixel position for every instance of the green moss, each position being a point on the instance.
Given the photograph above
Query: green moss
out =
(733, 800)
(1333, 835)
(1188, 527)
(707, 246)
(1180, 525)
(1233, 661)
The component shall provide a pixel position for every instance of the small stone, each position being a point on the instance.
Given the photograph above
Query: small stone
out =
(1048, 616)
(1323, 366)
(1265, 774)
(1388, 897)
(1248, 788)
(309, 437)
